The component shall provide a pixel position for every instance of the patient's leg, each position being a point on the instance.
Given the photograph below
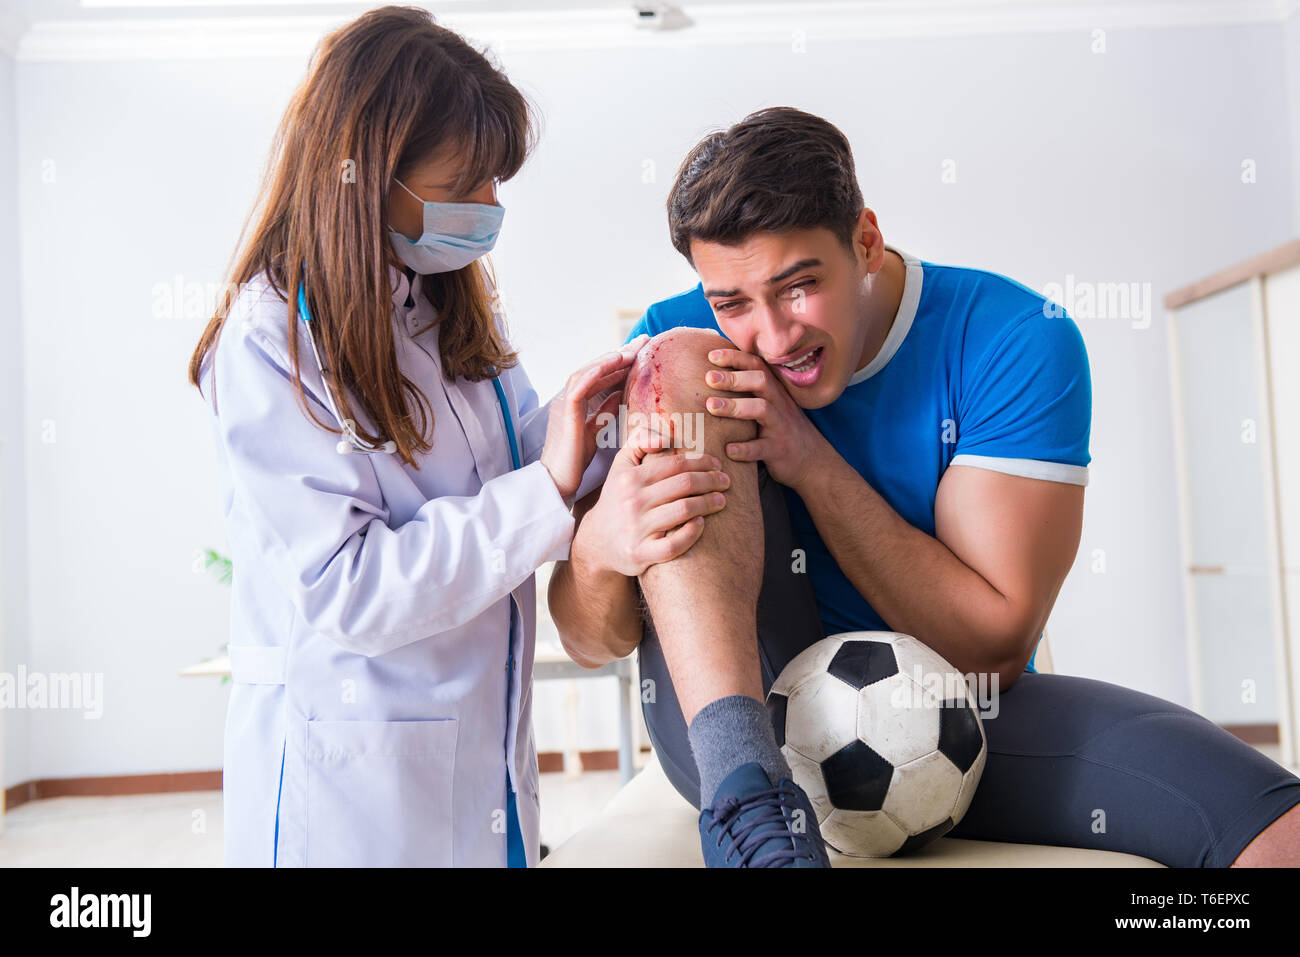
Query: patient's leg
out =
(703, 602)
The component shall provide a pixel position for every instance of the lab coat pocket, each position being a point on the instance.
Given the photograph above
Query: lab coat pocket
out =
(379, 793)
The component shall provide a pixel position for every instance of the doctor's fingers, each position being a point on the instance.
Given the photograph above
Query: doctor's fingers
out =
(609, 368)
(623, 357)
(597, 420)
(576, 403)
(614, 380)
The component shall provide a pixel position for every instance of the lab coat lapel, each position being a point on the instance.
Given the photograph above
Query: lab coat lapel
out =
(477, 407)
(475, 403)
(481, 416)
(478, 410)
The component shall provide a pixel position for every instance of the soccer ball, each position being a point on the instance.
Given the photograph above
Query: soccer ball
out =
(888, 769)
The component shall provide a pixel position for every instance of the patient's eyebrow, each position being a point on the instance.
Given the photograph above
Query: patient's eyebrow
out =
(782, 275)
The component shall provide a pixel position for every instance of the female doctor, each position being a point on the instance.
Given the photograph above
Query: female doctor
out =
(389, 481)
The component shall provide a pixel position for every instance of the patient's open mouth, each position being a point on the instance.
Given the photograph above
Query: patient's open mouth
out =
(803, 370)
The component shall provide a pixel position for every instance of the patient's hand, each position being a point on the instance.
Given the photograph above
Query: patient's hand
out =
(651, 508)
(787, 443)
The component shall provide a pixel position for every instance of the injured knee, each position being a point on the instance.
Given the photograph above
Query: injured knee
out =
(666, 392)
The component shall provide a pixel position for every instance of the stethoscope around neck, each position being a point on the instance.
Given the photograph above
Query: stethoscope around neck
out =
(351, 441)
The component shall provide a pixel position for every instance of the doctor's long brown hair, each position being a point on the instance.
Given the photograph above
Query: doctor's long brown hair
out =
(385, 93)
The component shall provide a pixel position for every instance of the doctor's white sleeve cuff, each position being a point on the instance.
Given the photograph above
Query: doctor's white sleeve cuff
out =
(525, 523)
(592, 479)
(1027, 468)
(553, 531)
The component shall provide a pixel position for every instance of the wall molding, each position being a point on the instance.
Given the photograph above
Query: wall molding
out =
(1255, 733)
(111, 785)
(605, 759)
(1274, 260)
(243, 36)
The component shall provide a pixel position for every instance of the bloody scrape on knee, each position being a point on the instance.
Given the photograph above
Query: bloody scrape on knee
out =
(665, 389)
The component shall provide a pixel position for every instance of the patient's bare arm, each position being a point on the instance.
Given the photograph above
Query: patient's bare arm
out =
(596, 610)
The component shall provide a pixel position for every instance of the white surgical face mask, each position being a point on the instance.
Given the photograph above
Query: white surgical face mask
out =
(455, 234)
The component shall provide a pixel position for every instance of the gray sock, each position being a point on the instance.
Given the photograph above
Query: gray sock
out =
(729, 732)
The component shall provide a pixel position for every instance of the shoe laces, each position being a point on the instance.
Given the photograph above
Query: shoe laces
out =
(768, 822)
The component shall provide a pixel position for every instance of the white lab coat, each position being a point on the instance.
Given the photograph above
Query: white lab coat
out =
(369, 719)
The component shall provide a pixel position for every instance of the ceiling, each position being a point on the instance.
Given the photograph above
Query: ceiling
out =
(32, 11)
(53, 29)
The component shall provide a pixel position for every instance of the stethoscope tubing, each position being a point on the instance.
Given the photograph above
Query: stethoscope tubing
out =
(351, 441)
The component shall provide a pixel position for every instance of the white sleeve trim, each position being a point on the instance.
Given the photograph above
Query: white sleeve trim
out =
(1027, 468)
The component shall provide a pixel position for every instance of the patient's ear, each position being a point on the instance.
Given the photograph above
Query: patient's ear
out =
(868, 242)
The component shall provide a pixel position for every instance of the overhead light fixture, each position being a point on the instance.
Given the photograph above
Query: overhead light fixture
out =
(660, 16)
(190, 4)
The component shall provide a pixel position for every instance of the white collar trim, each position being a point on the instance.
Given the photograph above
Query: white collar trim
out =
(902, 319)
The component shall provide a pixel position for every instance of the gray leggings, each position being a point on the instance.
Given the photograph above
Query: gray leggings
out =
(1072, 762)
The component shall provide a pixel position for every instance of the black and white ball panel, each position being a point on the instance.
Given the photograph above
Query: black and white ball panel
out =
(882, 734)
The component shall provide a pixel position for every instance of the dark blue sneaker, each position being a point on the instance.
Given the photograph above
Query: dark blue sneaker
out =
(753, 824)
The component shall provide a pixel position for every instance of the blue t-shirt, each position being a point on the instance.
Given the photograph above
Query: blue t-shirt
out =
(976, 370)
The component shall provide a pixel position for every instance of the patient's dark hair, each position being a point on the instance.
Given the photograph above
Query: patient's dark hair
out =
(777, 169)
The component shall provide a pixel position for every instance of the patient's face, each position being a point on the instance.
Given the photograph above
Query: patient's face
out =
(782, 295)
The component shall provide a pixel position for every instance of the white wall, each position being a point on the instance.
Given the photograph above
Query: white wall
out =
(1291, 41)
(13, 525)
(123, 498)
(1115, 166)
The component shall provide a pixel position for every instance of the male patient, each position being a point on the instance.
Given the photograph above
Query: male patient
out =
(888, 445)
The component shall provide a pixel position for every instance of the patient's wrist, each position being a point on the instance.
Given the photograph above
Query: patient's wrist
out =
(587, 561)
(821, 469)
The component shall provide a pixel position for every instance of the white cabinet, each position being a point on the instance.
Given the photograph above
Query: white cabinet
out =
(1235, 357)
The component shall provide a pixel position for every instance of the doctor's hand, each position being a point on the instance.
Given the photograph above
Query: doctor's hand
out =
(651, 508)
(787, 441)
(572, 427)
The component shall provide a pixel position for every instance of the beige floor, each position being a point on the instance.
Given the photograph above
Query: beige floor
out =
(184, 830)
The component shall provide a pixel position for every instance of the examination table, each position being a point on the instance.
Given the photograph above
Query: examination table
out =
(648, 824)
